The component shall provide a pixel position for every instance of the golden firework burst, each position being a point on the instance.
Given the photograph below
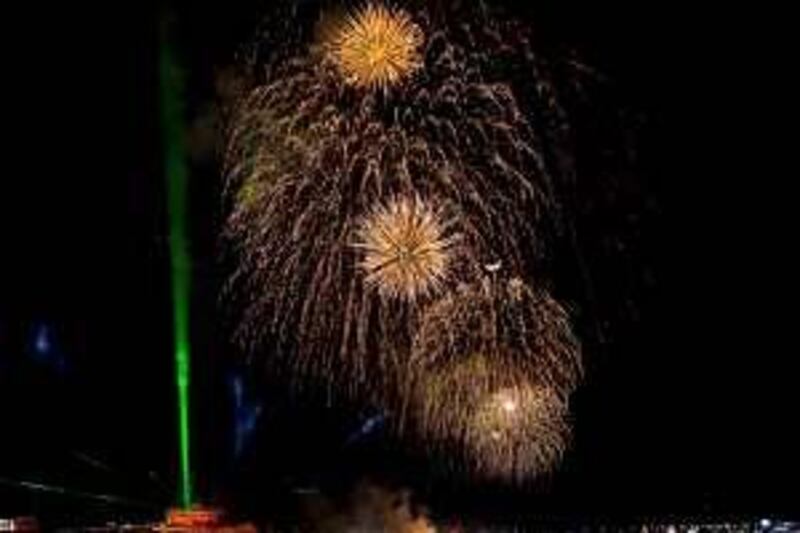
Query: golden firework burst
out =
(518, 432)
(376, 47)
(503, 425)
(406, 248)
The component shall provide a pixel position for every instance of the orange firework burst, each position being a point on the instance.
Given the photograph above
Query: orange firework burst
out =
(406, 249)
(376, 47)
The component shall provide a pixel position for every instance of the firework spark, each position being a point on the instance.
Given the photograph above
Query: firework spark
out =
(376, 47)
(406, 249)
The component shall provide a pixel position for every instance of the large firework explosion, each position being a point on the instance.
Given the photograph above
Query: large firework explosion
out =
(487, 420)
(368, 177)
(492, 367)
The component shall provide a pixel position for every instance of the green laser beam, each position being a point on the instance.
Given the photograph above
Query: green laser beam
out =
(171, 81)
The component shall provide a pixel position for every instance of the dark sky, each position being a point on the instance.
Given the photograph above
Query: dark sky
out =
(691, 393)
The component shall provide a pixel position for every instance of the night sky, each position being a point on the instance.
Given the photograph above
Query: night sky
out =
(691, 393)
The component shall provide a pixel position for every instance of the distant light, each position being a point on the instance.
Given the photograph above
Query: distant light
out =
(371, 424)
(25, 523)
(672, 529)
(246, 415)
(42, 342)
(765, 523)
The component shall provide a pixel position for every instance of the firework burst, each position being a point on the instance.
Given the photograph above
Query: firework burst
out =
(488, 419)
(349, 212)
(494, 364)
(375, 47)
(518, 433)
(406, 249)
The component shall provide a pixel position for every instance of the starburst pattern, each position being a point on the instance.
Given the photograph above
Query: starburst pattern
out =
(376, 47)
(406, 249)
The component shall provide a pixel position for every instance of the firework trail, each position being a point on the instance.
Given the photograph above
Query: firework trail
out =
(370, 175)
